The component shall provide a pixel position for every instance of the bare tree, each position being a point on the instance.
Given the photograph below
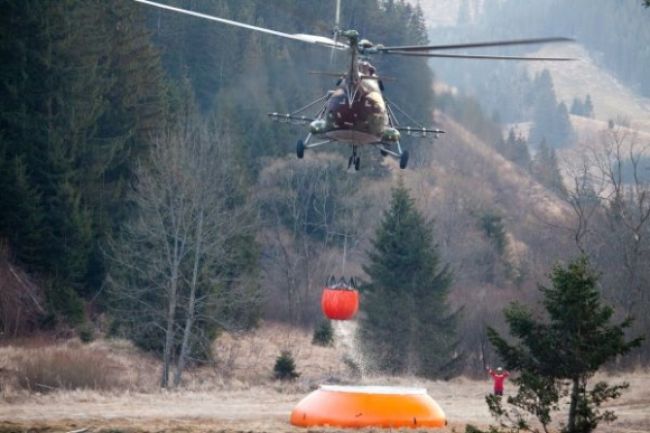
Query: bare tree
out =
(20, 299)
(312, 225)
(584, 194)
(619, 160)
(171, 258)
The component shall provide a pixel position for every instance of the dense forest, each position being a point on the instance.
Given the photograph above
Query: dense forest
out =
(102, 105)
(145, 193)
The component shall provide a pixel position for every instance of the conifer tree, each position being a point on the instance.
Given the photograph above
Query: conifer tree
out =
(556, 357)
(546, 170)
(79, 95)
(407, 325)
(550, 119)
(562, 128)
(577, 107)
(588, 107)
(49, 110)
(515, 148)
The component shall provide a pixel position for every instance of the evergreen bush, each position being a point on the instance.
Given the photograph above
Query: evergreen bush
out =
(323, 334)
(557, 356)
(285, 367)
(86, 332)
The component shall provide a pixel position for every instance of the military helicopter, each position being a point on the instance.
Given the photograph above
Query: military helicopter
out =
(356, 112)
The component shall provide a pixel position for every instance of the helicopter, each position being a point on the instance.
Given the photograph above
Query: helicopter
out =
(357, 112)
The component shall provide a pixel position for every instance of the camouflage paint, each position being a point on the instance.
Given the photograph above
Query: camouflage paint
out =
(362, 121)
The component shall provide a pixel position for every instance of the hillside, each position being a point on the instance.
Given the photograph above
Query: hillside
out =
(612, 99)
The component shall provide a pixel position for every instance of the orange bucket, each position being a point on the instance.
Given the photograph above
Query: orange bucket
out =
(368, 406)
(340, 304)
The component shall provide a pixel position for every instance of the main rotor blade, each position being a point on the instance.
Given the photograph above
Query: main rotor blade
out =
(477, 44)
(311, 39)
(337, 28)
(337, 17)
(467, 56)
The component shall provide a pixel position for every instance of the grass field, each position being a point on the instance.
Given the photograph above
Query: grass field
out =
(258, 409)
(238, 393)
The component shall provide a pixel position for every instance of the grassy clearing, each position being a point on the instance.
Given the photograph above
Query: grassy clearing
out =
(242, 362)
(51, 369)
(43, 366)
(235, 395)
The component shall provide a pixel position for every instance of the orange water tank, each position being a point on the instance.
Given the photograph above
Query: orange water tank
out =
(340, 303)
(368, 406)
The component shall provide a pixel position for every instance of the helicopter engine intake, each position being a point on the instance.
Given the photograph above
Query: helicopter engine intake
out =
(318, 126)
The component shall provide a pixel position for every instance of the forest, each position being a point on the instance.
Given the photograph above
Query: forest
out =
(145, 194)
(95, 101)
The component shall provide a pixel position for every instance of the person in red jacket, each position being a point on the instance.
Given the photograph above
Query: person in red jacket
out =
(499, 377)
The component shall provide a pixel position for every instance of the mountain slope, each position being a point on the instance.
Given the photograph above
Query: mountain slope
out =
(612, 99)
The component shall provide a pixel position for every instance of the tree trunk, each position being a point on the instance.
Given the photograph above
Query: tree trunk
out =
(575, 391)
(191, 305)
(169, 333)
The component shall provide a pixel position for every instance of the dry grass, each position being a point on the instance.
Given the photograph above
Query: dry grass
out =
(61, 368)
(243, 361)
(265, 409)
(249, 358)
(43, 366)
(244, 399)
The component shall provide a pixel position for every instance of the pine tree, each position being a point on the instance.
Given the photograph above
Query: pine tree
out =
(545, 169)
(515, 148)
(577, 107)
(545, 105)
(407, 324)
(558, 356)
(50, 108)
(562, 130)
(79, 95)
(21, 211)
(550, 119)
(588, 107)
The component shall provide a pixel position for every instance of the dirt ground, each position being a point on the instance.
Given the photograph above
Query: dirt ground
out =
(259, 409)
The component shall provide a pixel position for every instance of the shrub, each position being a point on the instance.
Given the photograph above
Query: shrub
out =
(65, 302)
(86, 332)
(48, 369)
(285, 367)
(323, 334)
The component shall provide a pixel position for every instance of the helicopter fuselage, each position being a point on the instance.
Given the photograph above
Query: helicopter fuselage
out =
(356, 112)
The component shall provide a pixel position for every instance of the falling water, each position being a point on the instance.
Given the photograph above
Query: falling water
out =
(345, 339)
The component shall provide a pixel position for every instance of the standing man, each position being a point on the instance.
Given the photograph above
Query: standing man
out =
(499, 377)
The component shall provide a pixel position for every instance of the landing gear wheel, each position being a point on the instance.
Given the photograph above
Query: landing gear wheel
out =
(350, 161)
(357, 163)
(300, 149)
(404, 159)
(383, 152)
